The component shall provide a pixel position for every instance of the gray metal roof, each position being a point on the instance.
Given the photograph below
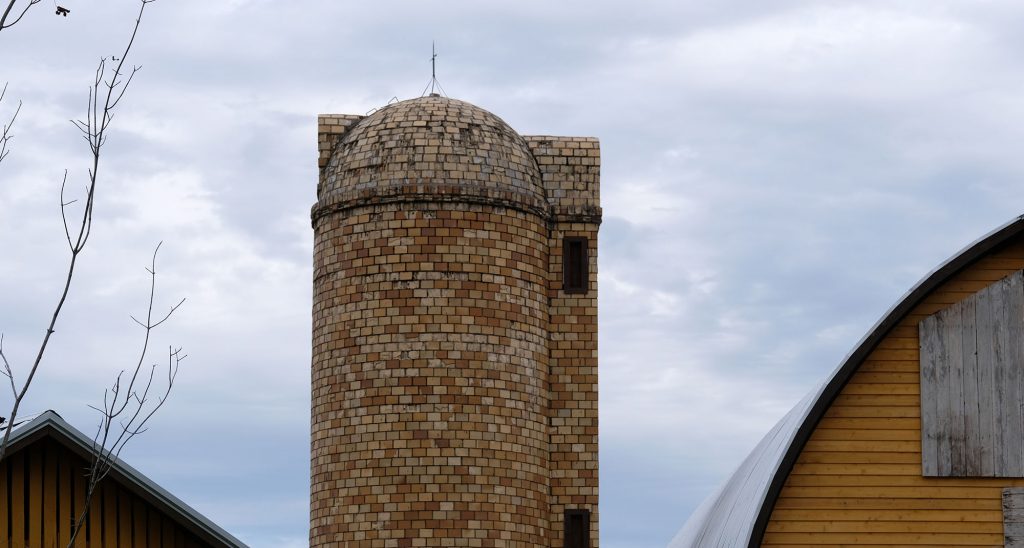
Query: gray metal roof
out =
(50, 424)
(737, 513)
(727, 517)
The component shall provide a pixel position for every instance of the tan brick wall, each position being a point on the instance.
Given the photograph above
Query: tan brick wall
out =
(573, 381)
(570, 170)
(429, 376)
(454, 383)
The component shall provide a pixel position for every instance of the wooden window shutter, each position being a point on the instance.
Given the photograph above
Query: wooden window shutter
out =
(972, 356)
(577, 529)
(575, 266)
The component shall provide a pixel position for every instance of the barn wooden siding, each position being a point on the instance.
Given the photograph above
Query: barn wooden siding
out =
(859, 482)
(42, 488)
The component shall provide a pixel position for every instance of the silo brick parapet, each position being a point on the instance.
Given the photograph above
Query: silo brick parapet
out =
(570, 169)
(330, 128)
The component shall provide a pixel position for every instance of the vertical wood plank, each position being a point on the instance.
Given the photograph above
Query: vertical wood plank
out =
(1015, 360)
(997, 307)
(1009, 412)
(139, 523)
(65, 496)
(110, 515)
(19, 493)
(35, 496)
(154, 527)
(78, 479)
(167, 531)
(5, 498)
(974, 451)
(928, 337)
(952, 337)
(124, 510)
(943, 411)
(96, 515)
(51, 513)
(987, 427)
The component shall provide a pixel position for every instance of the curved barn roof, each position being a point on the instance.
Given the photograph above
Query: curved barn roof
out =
(737, 514)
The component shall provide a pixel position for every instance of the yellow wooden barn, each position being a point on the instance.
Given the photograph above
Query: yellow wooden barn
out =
(916, 439)
(42, 492)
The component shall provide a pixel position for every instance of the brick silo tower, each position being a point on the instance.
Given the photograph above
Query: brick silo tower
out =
(454, 332)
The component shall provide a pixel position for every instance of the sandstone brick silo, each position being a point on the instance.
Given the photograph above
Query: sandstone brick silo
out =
(454, 332)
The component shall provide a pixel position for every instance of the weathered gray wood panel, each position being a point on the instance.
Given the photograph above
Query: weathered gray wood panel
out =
(954, 441)
(972, 384)
(1013, 330)
(1013, 517)
(932, 355)
(974, 435)
(988, 416)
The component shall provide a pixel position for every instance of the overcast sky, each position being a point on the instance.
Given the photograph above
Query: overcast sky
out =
(775, 176)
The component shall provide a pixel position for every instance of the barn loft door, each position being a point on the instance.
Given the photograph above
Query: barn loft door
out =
(972, 354)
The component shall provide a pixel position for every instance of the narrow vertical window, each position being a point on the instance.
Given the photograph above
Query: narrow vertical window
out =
(574, 265)
(577, 529)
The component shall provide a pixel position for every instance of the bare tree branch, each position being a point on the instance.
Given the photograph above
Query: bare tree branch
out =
(127, 409)
(98, 116)
(128, 404)
(10, 6)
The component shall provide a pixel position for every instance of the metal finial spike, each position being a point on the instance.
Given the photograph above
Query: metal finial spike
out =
(434, 86)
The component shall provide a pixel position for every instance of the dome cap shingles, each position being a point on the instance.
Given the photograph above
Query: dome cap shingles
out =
(432, 148)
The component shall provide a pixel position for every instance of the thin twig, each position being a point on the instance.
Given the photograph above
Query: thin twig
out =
(7, 367)
(6, 136)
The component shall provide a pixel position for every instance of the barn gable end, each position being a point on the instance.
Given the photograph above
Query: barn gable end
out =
(43, 487)
(851, 469)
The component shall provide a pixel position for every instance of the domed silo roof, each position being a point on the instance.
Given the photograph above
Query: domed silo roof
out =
(432, 148)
